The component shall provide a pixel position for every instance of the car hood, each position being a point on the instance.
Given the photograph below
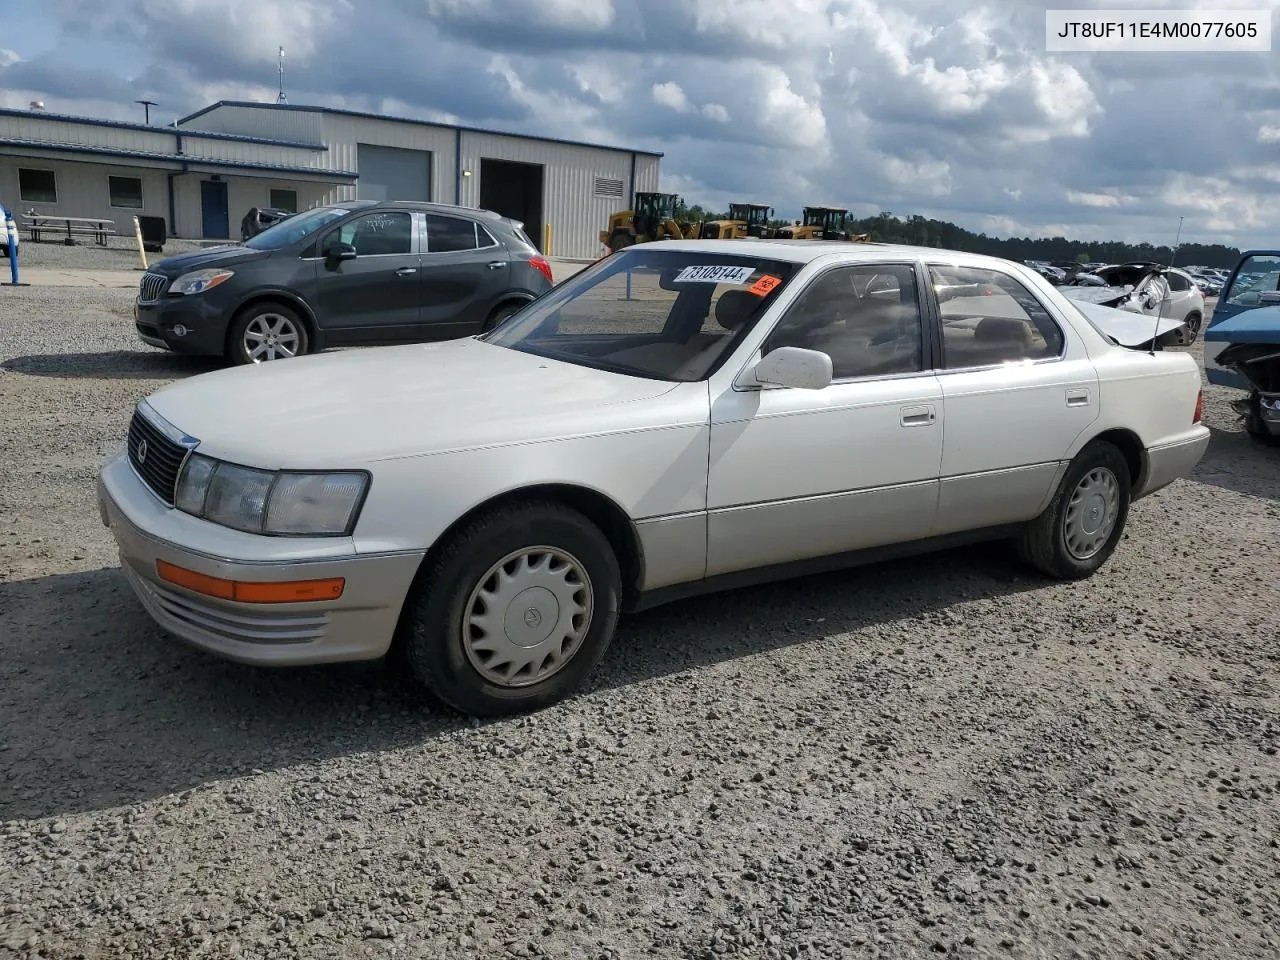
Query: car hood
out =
(1102, 295)
(1127, 328)
(222, 256)
(355, 406)
(1258, 325)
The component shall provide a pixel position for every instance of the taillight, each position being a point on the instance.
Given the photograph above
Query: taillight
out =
(543, 266)
(1199, 407)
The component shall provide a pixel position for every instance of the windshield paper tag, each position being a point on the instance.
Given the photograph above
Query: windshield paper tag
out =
(762, 286)
(714, 274)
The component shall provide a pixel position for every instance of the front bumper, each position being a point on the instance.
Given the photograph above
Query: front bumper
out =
(1167, 462)
(203, 321)
(359, 625)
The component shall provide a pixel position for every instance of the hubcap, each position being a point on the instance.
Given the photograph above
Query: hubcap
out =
(1091, 513)
(271, 336)
(527, 617)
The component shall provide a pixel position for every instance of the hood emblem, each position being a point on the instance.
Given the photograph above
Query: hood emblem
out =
(142, 451)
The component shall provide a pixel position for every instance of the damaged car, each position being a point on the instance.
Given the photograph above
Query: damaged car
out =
(1149, 289)
(1242, 342)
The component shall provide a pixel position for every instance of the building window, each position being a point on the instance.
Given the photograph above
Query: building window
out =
(285, 200)
(610, 189)
(125, 191)
(37, 186)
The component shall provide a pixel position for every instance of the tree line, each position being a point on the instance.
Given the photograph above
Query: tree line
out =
(885, 227)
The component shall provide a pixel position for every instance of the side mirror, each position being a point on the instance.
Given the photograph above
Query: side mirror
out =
(794, 367)
(339, 251)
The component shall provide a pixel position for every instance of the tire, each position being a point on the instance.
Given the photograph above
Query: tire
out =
(619, 239)
(500, 314)
(1254, 427)
(261, 319)
(1193, 323)
(1045, 545)
(451, 660)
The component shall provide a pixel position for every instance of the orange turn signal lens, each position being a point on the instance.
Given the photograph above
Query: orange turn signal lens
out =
(290, 591)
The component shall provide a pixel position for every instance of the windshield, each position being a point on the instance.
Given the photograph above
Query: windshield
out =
(664, 315)
(290, 231)
(1257, 275)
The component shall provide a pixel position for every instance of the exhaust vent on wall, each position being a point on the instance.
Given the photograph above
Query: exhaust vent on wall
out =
(611, 189)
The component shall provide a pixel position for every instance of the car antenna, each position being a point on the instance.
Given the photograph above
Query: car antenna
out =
(1168, 288)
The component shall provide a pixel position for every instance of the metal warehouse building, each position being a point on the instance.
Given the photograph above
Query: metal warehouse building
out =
(203, 173)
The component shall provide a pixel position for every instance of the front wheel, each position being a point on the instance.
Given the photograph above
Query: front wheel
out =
(1081, 527)
(269, 331)
(516, 610)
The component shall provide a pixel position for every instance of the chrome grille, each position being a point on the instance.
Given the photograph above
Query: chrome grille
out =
(152, 287)
(155, 457)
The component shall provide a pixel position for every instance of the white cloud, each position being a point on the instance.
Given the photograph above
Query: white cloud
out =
(1015, 194)
(1106, 200)
(8, 58)
(672, 96)
(716, 112)
(1269, 134)
(931, 177)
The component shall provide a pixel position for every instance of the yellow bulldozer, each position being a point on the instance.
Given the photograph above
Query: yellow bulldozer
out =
(745, 220)
(823, 223)
(653, 217)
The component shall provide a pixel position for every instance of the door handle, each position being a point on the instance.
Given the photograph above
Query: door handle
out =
(1078, 398)
(920, 416)
(405, 271)
(495, 264)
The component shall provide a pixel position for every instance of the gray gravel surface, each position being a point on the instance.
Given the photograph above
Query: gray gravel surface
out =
(944, 756)
(120, 253)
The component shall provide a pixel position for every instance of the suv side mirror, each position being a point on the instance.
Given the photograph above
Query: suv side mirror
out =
(794, 367)
(339, 251)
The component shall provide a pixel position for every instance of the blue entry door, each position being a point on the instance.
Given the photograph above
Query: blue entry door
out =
(214, 214)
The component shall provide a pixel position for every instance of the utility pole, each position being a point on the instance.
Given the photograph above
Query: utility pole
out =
(280, 71)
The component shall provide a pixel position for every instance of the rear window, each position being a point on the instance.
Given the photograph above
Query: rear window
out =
(665, 315)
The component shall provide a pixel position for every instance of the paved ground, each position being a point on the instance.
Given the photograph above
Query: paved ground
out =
(943, 756)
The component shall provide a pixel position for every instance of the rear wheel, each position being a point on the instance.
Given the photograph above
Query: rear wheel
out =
(619, 239)
(268, 331)
(1085, 521)
(1191, 331)
(516, 610)
(500, 315)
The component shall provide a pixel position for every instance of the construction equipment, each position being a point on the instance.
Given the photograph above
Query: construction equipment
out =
(653, 217)
(823, 223)
(745, 220)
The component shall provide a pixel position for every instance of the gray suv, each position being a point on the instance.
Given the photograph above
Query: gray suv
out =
(346, 274)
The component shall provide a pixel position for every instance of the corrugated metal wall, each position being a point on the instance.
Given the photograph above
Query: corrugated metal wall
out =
(82, 191)
(35, 127)
(570, 205)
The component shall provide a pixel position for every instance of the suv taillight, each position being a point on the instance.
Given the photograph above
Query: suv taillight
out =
(1199, 407)
(543, 266)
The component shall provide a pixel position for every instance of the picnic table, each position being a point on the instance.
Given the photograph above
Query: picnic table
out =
(97, 227)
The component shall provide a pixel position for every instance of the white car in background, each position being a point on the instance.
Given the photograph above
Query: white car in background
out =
(1145, 288)
(679, 417)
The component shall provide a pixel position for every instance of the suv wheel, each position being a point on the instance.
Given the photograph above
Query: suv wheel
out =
(268, 331)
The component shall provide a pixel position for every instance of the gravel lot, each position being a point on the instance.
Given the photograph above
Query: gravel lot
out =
(938, 756)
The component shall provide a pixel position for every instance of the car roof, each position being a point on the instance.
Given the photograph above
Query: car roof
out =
(804, 251)
(423, 205)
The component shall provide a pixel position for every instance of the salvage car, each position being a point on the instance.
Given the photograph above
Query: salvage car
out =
(347, 274)
(1242, 342)
(677, 418)
(1146, 288)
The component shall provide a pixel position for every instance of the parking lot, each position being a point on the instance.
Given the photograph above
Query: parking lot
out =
(938, 756)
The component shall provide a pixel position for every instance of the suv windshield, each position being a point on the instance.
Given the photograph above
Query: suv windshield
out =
(288, 232)
(665, 315)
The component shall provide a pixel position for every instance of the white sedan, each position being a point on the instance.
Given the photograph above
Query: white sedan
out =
(677, 418)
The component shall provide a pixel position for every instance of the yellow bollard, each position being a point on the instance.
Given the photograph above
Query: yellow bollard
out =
(137, 232)
(546, 239)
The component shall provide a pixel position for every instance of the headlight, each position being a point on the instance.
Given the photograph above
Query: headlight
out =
(198, 281)
(280, 503)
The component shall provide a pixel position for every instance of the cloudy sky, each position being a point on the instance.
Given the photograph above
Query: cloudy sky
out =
(913, 106)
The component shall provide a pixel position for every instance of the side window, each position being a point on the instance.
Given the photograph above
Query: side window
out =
(1177, 282)
(379, 234)
(866, 318)
(988, 318)
(484, 238)
(449, 234)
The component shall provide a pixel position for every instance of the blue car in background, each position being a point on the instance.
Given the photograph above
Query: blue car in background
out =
(1242, 342)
